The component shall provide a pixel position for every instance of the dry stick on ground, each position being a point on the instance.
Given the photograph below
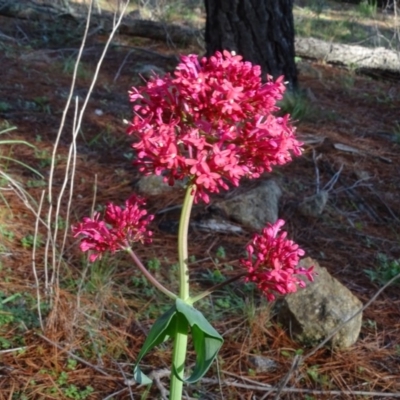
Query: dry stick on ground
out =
(329, 186)
(112, 395)
(252, 385)
(157, 376)
(168, 59)
(125, 378)
(14, 349)
(315, 160)
(354, 195)
(297, 362)
(258, 387)
(391, 212)
(123, 64)
(356, 184)
(255, 385)
(5, 37)
(285, 380)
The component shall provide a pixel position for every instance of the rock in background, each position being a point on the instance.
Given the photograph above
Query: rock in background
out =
(254, 208)
(311, 314)
(147, 71)
(262, 364)
(153, 185)
(313, 206)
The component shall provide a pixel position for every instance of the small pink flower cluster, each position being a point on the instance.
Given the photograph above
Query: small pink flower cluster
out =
(272, 262)
(119, 228)
(211, 123)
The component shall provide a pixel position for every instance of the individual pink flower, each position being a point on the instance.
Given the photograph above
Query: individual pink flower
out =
(119, 228)
(211, 123)
(272, 262)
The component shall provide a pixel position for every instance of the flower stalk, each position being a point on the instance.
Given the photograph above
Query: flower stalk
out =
(183, 253)
(178, 359)
(148, 275)
(181, 337)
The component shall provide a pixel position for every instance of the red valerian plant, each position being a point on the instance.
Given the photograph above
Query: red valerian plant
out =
(272, 262)
(210, 123)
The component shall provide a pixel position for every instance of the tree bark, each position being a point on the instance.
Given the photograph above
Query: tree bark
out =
(262, 31)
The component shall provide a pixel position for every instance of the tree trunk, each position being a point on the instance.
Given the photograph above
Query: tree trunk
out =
(262, 31)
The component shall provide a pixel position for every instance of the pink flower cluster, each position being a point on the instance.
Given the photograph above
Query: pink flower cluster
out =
(119, 228)
(272, 262)
(211, 123)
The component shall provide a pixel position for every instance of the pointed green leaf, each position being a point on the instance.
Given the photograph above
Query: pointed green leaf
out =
(206, 340)
(159, 332)
(22, 163)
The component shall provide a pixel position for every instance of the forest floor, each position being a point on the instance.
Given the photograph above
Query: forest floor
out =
(91, 335)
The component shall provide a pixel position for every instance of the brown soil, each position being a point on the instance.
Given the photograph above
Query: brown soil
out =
(106, 329)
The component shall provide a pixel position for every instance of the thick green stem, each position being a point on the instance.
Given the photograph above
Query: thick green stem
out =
(181, 338)
(178, 359)
(183, 243)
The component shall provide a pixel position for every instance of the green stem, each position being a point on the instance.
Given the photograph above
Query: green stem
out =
(178, 359)
(148, 275)
(183, 243)
(181, 338)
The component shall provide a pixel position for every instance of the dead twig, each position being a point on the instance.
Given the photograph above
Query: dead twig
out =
(261, 388)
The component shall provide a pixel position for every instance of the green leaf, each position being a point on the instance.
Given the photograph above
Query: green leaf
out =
(20, 163)
(159, 332)
(206, 340)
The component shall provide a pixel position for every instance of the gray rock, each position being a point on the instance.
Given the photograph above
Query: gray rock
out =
(153, 185)
(262, 364)
(135, 14)
(311, 314)
(217, 225)
(147, 71)
(362, 175)
(314, 205)
(254, 208)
